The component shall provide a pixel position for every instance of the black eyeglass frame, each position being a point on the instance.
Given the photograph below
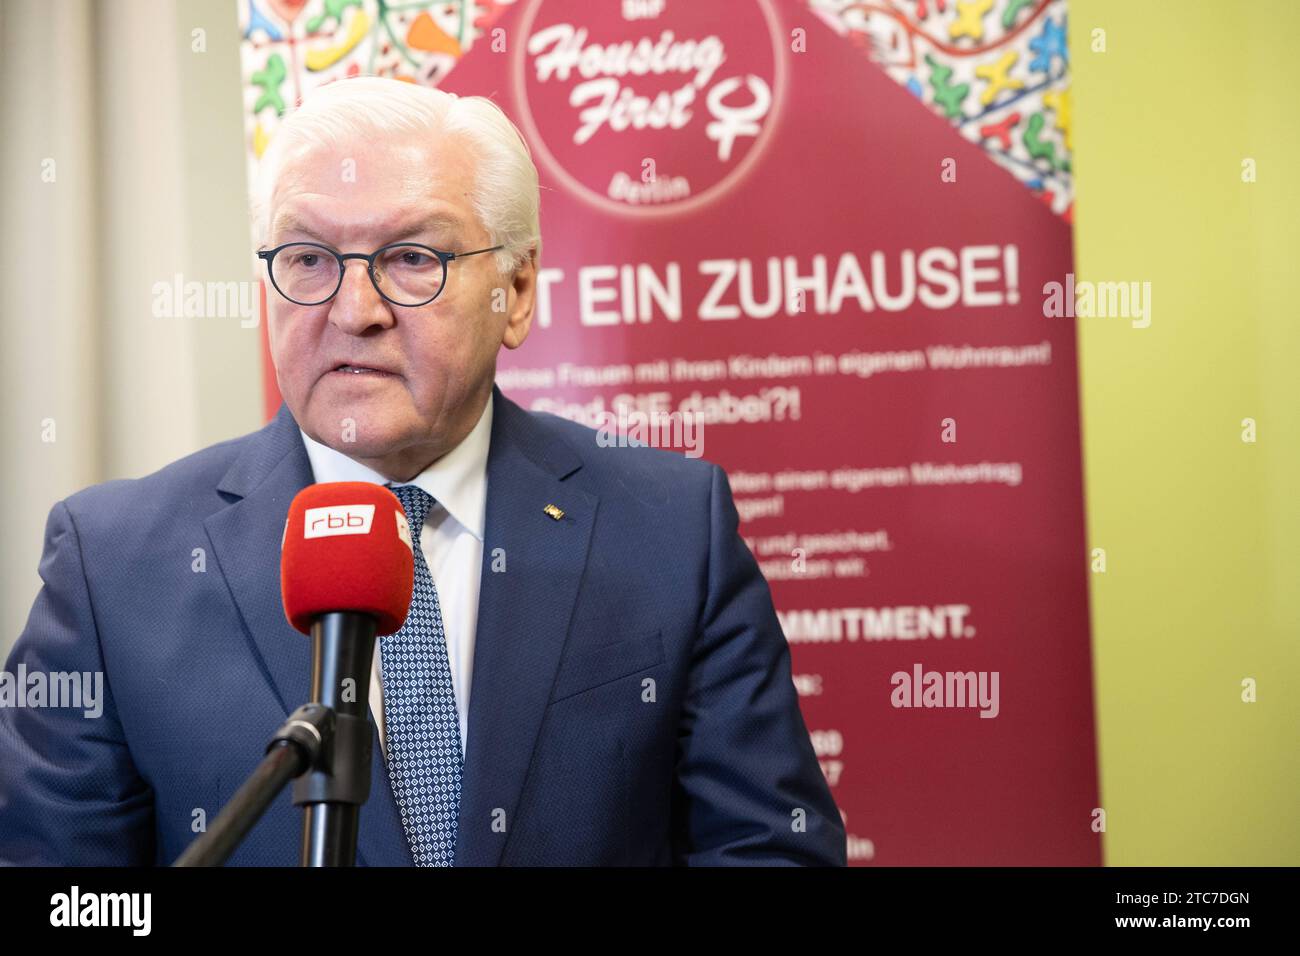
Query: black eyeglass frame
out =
(267, 255)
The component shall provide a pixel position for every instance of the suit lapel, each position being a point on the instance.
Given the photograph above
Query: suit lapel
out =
(523, 619)
(246, 539)
(270, 470)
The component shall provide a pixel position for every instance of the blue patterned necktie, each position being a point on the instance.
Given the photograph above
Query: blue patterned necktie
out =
(421, 723)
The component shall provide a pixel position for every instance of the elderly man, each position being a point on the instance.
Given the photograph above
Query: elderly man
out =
(600, 677)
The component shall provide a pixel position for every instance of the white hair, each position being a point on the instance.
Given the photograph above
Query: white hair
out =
(505, 192)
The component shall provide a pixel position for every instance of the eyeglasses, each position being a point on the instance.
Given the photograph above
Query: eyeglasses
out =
(404, 273)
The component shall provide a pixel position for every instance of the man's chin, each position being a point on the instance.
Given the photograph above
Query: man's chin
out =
(357, 433)
(370, 447)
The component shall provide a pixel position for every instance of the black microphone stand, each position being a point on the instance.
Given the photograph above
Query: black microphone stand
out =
(324, 747)
(343, 647)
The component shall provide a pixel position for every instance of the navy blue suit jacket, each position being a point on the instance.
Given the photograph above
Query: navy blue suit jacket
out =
(632, 700)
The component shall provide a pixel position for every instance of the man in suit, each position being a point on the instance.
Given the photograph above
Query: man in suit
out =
(596, 676)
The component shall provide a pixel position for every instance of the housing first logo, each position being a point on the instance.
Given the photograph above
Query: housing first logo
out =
(643, 107)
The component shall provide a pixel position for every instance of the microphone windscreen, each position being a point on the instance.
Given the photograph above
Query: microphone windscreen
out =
(347, 547)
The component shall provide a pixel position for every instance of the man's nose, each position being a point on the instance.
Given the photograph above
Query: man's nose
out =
(358, 304)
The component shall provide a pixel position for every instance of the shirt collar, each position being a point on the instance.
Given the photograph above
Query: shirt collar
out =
(457, 481)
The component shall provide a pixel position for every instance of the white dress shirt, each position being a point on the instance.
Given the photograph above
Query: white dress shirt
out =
(452, 542)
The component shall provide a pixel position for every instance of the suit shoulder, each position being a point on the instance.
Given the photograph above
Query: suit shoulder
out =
(187, 481)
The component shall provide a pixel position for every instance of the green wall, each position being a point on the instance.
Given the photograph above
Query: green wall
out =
(1201, 530)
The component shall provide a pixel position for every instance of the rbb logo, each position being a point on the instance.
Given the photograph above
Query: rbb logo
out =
(338, 519)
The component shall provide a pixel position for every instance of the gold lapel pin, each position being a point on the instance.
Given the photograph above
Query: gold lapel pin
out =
(554, 512)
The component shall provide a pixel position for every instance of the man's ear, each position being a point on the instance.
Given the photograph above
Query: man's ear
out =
(521, 302)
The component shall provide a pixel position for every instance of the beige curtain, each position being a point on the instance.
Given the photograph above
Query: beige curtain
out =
(123, 168)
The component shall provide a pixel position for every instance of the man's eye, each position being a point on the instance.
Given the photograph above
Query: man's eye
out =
(415, 259)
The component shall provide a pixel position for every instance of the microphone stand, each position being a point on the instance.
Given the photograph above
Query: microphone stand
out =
(343, 648)
(324, 747)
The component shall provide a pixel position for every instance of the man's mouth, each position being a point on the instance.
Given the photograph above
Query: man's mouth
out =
(360, 370)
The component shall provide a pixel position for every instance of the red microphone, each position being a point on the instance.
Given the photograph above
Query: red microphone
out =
(347, 547)
(346, 573)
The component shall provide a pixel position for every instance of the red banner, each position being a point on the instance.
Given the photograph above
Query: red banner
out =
(761, 247)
